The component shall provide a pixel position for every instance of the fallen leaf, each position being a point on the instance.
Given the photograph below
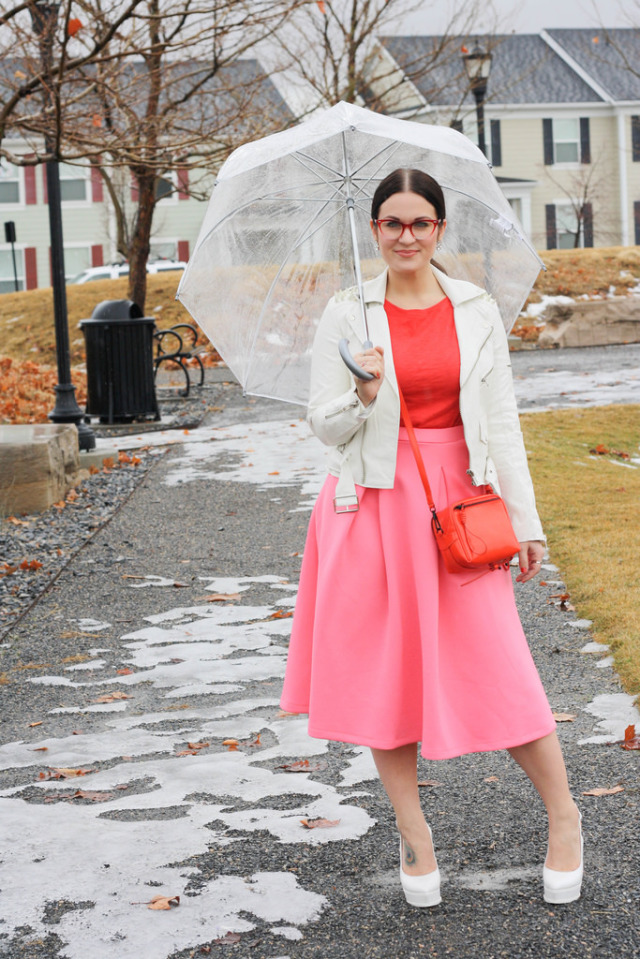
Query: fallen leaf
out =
(279, 614)
(564, 717)
(40, 749)
(429, 782)
(319, 823)
(221, 597)
(93, 796)
(18, 522)
(274, 473)
(124, 672)
(198, 745)
(231, 744)
(64, 772)
(303, 766)
(283, 714)
(112, 697)
(492, 779)
(159, 902)
(39, 723)
(631, 740)
(603, 791)
(228, 939)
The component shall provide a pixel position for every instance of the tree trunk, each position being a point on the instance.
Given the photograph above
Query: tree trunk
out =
(141, 239)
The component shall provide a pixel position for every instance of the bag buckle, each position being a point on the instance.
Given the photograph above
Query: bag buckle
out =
(350, 506)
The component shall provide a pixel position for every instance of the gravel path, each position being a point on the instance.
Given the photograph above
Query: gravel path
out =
(130, 670)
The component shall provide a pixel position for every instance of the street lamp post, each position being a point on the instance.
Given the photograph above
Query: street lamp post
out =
(44, 16)
(478, 67)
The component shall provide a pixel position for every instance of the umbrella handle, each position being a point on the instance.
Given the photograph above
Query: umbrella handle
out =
(349, 361)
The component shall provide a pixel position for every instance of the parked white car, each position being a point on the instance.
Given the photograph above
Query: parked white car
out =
(112, 271)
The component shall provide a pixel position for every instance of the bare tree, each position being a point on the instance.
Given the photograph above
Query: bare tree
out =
(587, 191)
(335, 50)
(149, 87)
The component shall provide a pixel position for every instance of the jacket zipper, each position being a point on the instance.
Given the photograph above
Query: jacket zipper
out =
(344, 409)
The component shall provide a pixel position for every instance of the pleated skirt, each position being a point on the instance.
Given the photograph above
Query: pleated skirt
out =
(389, 648)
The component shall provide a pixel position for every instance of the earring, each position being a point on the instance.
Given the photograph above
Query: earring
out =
(438, 246)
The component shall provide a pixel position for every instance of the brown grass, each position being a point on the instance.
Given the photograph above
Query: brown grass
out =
(589, 506)
(26, 318)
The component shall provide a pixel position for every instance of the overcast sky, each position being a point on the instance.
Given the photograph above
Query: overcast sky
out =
(531, 16)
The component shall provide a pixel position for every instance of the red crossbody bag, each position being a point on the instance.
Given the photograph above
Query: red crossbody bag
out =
(474, 533)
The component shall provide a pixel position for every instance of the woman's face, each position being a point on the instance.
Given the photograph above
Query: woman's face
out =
(406, 254)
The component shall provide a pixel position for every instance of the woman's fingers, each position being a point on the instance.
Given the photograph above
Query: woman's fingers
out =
(372, 361)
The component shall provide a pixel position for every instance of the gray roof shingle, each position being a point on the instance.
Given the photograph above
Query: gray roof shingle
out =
(525, 69)
(607, 56)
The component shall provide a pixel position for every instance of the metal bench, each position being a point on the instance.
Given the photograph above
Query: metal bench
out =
(179, 345)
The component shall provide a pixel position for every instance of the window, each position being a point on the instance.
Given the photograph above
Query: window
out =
(163, 250)
(9, 182)
(563, 226)
(566, 140)
(73, 183)
(7, 276)
(76, 259)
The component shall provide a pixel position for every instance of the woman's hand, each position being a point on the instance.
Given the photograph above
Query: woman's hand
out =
(530, 557)
(373, 362)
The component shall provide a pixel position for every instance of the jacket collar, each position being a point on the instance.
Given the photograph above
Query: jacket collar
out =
(458, 291)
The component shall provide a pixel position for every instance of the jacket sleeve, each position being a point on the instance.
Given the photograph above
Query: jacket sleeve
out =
(335, 412)
(506, 442)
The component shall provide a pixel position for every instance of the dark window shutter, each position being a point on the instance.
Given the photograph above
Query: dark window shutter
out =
(97, 256)
(183, 250)
(45, 188)
(496, 143)
(587, 224)
(547, 135)
(552, 238)
(635, 139)
(456, 125)
(585, 141)
(636, 218)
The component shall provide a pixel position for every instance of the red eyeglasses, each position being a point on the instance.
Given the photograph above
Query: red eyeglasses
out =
(421, 229)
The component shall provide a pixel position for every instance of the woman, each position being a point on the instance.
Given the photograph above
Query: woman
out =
(388, 649)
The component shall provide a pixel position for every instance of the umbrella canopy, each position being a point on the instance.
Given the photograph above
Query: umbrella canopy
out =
(276, 241)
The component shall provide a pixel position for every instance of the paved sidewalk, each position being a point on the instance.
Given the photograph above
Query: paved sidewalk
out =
(130, 671)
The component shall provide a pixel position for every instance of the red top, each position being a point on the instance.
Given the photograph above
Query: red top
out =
(426, 357)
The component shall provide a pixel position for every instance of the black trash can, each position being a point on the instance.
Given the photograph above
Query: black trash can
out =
(119, 347)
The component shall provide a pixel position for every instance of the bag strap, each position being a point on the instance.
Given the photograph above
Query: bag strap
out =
(418, 457)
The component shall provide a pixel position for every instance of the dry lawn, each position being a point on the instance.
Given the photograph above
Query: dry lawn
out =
(26, 318)
(590, 509)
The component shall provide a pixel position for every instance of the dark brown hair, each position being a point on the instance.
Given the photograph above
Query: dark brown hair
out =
(409, 181)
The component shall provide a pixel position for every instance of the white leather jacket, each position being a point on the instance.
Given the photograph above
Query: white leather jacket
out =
(366, 438)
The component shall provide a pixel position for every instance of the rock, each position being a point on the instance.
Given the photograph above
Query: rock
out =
(592, 323)
(38, 465)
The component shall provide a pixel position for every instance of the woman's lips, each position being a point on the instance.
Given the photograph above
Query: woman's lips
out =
(406, 253)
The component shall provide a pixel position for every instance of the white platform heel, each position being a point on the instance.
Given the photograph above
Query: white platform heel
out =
(421, 891)
(561, 887)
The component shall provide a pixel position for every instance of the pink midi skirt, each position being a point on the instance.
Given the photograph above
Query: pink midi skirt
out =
(387, 647)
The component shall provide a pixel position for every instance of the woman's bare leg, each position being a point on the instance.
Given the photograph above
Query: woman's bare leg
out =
(397, 769)
(543, 763)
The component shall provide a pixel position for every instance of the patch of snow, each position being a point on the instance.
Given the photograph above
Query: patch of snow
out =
(92, 664)
(579, 623)
(92, 625)
(603, 663)
(595, 648)
(614, 711)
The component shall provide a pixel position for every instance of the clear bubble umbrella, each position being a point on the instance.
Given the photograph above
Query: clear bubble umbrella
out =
(287, 226)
